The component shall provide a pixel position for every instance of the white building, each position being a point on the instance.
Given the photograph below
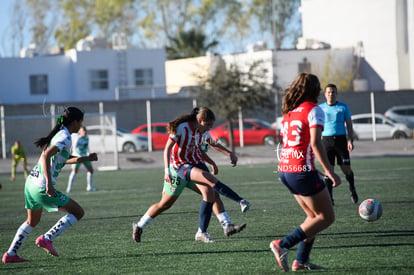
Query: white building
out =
(331, 66)
(385, 28)
(93, 75)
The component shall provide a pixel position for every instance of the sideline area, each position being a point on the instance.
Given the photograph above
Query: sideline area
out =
(247, 156)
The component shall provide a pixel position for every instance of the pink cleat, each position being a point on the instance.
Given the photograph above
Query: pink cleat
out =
(12, 259)
(280, 254)
(46, 245)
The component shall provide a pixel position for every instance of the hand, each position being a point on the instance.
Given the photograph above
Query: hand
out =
(214, 169)
(50, 191)
(93, 157)
(233, 159)
(336, 180)
(350, 145)
(167, 176)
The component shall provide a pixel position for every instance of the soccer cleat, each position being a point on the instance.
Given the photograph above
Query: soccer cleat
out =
(232, 229)
(280, 254)
(12, 178)
(136, 232)
(306, 266)
(12, 259)
(46, 245)
(92, 189)
(203, 237)
(354, 196)
(244, 205)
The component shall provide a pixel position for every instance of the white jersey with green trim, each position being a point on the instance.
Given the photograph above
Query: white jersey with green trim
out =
(63, 141)
(80, 145)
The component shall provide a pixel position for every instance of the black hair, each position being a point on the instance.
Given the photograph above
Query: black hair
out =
(69, 115)
(203, 113)
(333, 86)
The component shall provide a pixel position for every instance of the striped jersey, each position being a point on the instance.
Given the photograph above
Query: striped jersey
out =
(187, 147)
(297, 154)
(63, 141)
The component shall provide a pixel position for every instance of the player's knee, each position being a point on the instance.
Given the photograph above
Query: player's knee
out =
(32, 222)
(79, 213)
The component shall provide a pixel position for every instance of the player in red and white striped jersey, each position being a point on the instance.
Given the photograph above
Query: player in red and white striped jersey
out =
(183, 151)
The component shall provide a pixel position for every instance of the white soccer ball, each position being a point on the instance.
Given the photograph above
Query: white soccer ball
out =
(370, 210)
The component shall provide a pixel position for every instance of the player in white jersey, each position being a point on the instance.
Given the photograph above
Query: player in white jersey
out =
(302, 125)
(80, 148)
(40, 189)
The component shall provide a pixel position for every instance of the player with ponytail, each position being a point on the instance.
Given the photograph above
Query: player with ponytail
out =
(183, 151)
(40, 189)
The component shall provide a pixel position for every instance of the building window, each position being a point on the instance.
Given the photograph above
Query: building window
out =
(304, 66)
(38, 84)
(99, 79)
(143, 77)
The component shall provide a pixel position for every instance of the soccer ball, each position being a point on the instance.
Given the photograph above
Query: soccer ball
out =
(370, 210)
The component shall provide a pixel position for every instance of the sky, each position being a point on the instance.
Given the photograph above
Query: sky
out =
(6, 7)
(5, 12)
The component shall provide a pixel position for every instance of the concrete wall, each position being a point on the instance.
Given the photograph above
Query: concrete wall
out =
(383, 26)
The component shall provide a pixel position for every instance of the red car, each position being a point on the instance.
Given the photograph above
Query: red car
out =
(158, 132)
(255, 132)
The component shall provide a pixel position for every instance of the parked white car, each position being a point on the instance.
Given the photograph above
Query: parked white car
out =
(101, 138)
(385, 128)
(402, 114)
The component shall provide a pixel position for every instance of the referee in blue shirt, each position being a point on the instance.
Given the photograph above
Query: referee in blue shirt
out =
(338, 139)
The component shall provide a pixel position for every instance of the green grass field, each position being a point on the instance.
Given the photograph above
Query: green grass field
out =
(101, 242)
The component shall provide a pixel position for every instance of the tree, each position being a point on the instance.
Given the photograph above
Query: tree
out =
(189, 44)
(14, 38)
(277, 17)
(232, 22)
(157, 23)
(227, 89)
(42, 15)
(103, 18)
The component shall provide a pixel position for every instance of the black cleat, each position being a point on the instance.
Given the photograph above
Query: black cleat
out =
(232, 229)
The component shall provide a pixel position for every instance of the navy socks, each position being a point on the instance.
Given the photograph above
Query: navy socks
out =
(304, 249)
(205, 215)
(293, 238)
(226, 191)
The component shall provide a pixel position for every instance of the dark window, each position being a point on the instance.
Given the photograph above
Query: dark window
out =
(364, 120)
(143, 77)
(99, 79)
(304, 66)
(38, 84)
(159, 129)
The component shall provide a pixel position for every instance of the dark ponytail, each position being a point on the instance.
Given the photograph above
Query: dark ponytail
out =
(203, 113)
(69, 115)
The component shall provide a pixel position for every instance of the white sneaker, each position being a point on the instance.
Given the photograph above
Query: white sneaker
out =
(244, 205)
(203, 237)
